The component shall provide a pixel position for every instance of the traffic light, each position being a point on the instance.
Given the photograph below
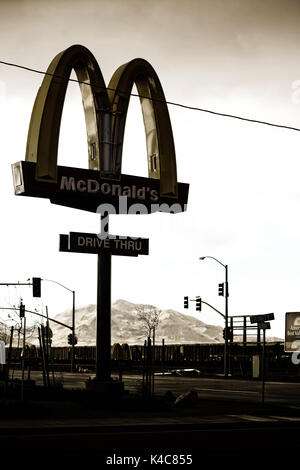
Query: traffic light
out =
(72, 339)
(221, 289)
(186, 302)
(22, 310)
(229, 334)
(198, 304)
(36, 287)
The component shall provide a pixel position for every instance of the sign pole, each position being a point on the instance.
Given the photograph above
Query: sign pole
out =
(103, 338)
(105, 246)
(263, 369)
(103, 334)
(262, 324)
(73, 333)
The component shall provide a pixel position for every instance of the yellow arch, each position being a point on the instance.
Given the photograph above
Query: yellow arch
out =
(105, 116)
(158, 130)
(43, 135)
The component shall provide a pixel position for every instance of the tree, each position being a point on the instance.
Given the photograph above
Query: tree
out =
(149, 317)
(3, 334)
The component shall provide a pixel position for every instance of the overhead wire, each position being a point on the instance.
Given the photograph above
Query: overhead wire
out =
(171, 103)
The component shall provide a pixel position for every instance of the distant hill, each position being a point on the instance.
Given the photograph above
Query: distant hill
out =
(174, 327)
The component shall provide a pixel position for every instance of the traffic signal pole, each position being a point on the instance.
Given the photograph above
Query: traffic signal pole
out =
(73, 320)
(226, 323)
(223, 290)
(23, 357)
(215, 309)
(36, 285)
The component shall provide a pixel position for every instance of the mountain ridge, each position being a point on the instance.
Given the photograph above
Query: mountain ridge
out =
(174, 327)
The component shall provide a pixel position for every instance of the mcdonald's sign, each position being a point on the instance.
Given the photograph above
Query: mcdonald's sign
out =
(105, 116)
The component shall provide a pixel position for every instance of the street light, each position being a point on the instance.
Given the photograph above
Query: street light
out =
(226, 294)
(73, 319)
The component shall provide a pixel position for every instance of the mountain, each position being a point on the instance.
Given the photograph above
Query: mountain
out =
(173, 326)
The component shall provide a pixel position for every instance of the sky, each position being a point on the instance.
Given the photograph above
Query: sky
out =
(235, 57)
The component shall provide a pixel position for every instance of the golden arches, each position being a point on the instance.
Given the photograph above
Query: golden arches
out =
(158, 130)
(105, 116)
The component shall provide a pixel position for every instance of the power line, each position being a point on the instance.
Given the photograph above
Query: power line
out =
(171, 103)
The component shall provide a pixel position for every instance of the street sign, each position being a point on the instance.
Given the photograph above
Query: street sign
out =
(292, 331)
(77, 242)
(264, 326)
(261, 318)
(88, 189)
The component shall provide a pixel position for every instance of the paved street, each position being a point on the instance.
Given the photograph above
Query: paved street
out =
(209, 388)
(227, 417)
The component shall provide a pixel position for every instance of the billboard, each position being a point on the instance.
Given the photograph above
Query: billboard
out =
(105, 112)
(292, 331)
(87, 190)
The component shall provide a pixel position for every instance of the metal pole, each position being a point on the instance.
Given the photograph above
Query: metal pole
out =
(42, 357)
(49, 351)
(8, 360)
(153, 349)
(226, 323)
(144, 365)
(149, 366)
(73, 320)
(226, 293)
(258, 336)
(230, 365)
(244, 331)
(23, 359)
(103, 333)
(163, 356)
(263, 369)
(244, 345)
(45, 349)
(73, 333)
(47, 332)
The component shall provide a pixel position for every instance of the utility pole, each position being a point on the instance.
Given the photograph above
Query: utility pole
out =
(226, 323)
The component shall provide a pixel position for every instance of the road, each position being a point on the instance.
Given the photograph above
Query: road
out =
(213, 426)
(201, 442)
(284, 393)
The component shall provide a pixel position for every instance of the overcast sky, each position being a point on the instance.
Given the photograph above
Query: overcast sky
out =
(239, 57)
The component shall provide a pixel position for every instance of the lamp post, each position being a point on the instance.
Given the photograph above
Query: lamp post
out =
(226, 294)
(73, 320)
